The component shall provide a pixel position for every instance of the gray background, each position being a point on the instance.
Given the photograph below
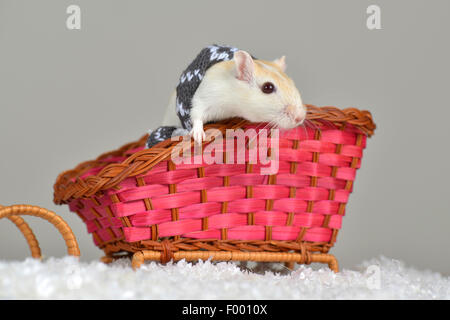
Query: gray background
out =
(67, 96)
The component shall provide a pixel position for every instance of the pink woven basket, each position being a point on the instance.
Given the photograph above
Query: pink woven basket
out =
(138, 200)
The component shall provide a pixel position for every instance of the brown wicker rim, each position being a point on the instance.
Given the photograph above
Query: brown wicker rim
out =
(70, 186)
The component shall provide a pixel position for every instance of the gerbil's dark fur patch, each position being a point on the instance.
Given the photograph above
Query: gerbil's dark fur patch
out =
(189, 82)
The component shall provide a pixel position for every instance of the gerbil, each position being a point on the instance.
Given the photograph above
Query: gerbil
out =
(223, 82)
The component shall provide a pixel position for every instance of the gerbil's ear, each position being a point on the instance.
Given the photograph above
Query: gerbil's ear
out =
(244, 66)
(281, 62)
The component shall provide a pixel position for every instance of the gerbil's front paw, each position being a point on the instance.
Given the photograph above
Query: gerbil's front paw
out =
(198, 134)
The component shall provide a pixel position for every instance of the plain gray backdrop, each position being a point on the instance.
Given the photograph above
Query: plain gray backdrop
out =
(68, 95)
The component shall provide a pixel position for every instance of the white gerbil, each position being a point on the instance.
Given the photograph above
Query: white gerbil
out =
(223, 82)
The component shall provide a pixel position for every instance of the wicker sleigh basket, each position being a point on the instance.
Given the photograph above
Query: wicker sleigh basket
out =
(137, 201)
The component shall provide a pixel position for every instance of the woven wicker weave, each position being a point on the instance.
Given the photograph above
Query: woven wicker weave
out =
(137, 201)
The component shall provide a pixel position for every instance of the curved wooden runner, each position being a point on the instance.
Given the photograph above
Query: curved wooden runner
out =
(140, 256)
(14, 212)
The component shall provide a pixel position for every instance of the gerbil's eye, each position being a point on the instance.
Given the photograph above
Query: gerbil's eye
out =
(268, 87)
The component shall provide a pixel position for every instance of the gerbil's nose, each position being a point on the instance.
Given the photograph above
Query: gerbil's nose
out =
(295, 113)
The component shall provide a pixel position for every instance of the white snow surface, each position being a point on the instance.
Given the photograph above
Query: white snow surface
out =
(67, 278)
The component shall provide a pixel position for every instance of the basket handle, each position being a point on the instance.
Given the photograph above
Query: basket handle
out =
(14, 212)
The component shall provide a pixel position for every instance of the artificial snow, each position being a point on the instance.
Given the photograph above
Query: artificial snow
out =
(66, 278)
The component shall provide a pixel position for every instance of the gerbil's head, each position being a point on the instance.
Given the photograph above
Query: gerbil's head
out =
(270, 95)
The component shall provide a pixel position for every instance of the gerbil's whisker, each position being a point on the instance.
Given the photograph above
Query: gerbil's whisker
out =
(267, 126)
(304, 130)
(331, 124)
(311, 124)
(250, 141)
(257, 134)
